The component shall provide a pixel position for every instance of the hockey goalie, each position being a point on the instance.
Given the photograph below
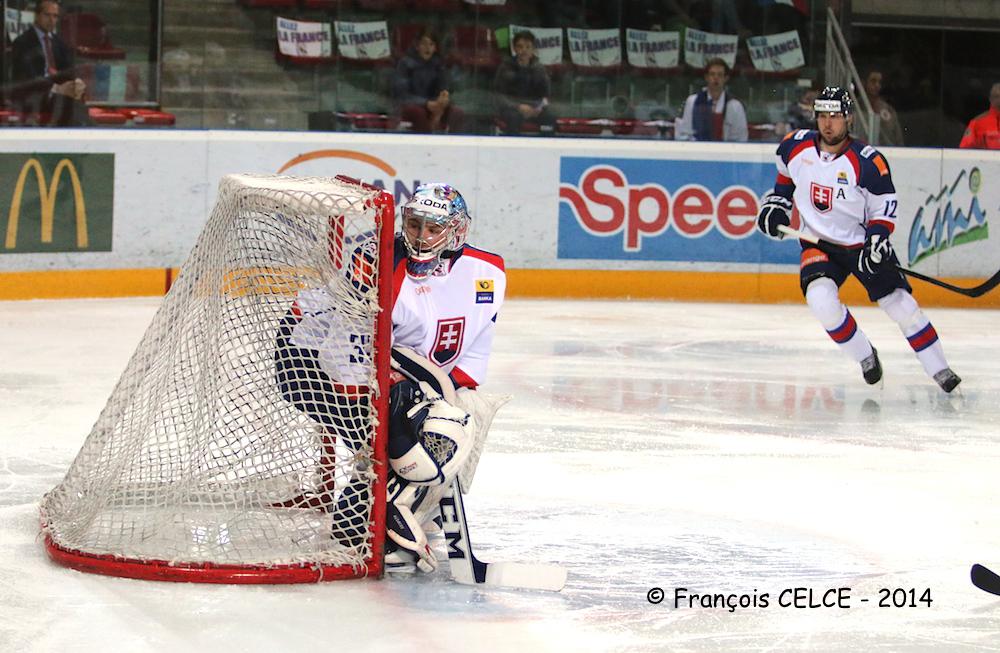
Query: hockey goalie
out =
(304, 400)
(446, 299)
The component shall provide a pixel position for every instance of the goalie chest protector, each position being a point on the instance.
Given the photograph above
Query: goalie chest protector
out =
(450, 316)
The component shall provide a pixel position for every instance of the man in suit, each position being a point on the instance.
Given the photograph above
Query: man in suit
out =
(42, 72)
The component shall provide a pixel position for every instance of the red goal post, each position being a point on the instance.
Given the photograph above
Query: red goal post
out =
(200, 468)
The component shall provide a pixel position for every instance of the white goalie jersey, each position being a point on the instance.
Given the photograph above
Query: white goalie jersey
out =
(343, 353)
(449, 317)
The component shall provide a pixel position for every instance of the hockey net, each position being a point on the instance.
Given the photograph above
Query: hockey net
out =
(199, 468)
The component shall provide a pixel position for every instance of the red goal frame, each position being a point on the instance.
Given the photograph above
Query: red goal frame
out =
(163, 570)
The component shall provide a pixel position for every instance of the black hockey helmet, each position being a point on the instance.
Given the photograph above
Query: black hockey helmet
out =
(834, 99)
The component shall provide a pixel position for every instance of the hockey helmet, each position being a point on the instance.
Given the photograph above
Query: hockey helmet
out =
(833, 99)
(433, 204)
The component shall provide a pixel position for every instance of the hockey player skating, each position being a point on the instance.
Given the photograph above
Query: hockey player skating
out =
(844, 193)
(447, 296)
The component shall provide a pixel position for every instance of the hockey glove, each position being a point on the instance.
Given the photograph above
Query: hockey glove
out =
(877, 250)
(776, 210)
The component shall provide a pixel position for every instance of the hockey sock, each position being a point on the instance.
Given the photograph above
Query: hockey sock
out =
(902, 307)
(824, 302)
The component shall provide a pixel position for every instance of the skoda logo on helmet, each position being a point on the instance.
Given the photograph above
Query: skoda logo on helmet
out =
(444, 206)
(437, 205)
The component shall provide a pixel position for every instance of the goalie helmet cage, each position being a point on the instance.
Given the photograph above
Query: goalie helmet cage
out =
(198, 469)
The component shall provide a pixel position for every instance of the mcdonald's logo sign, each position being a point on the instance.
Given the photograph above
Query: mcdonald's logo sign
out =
(57, 203)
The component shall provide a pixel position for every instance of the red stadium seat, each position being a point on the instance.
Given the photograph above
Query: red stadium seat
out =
(527, 127)
(9, 118)
(102, 116)
(581, 126)
(475, 46)
(487, 8)
(763, 132)
(369, 122)
(149, 117)
(88, 35)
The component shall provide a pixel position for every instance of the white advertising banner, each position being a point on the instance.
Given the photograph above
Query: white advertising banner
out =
(17, 22)
(363, 40)
(298, 38)
(548, 43)
(594, 47)
(946, 205)
(541, 203)
(653, 49)
(700, 46)
(776, 52)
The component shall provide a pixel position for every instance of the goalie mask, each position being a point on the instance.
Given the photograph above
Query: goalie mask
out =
(435, 224)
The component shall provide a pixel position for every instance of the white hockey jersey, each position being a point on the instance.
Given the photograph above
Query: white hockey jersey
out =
(449, 317)
(838, 196)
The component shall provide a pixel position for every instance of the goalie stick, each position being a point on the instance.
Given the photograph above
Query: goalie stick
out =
(468, 570)
(465, 568)
(984, 579)
(975, 291)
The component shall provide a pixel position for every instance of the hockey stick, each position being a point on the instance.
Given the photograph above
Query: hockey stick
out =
(465, 568)
(985, 579)
(975, 291)
(468, 570)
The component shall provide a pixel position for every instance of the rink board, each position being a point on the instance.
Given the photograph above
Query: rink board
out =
(572, 217)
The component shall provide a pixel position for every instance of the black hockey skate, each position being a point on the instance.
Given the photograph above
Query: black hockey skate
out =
(871, 368)
(947, 379)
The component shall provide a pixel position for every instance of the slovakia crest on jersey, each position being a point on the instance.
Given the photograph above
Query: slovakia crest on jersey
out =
(822, 197)
(448, 342)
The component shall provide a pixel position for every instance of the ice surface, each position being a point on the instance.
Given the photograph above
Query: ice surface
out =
(718, 448)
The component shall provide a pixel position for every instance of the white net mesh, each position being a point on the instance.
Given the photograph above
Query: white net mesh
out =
(224, 442)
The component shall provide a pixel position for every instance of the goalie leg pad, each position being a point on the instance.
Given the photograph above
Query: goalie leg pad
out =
(482, 407)
(407, 541)
(350, 522)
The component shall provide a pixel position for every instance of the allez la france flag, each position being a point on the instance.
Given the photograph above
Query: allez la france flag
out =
(298, 38)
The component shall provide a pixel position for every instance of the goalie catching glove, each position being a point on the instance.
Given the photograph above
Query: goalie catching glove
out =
(776, 210)
(877, 250)
(428, 439)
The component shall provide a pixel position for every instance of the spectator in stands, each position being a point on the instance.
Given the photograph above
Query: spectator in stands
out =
(421, 86)
(799, 115)
(983, 131)
(522, 89)
(889, 131)
(713, 114)
(42, 72)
